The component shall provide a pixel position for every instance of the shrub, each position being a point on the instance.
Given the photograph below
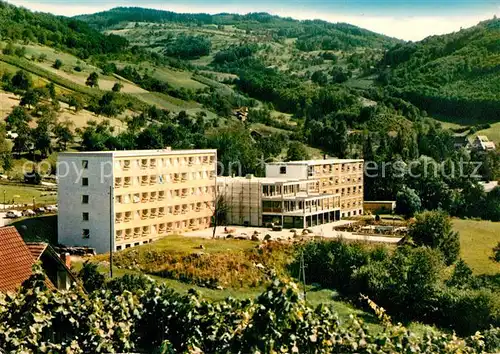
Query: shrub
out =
(35, 319)
(58, 64)
(434, 229)
(90, 277)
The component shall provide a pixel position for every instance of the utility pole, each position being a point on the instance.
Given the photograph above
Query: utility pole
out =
(302, 274)
(111, 220)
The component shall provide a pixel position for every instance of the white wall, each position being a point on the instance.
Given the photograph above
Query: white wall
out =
(70, 207)
(292, 171)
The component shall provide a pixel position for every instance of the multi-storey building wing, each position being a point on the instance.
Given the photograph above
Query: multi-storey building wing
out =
(343, 177)
(293, 203)
(120, 199)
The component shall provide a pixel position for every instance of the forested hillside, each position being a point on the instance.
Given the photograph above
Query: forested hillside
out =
(17, 23)
(311, 35)
(456, 74)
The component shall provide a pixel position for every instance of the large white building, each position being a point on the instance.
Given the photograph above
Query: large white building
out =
(292, 203)
(295, 194)
(118, 199)
(342, 177)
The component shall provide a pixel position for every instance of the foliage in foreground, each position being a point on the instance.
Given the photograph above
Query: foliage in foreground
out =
(147, 316)
(409, 282)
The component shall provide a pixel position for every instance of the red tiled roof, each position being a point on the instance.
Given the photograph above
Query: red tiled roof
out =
(36, 249)
(15, 259)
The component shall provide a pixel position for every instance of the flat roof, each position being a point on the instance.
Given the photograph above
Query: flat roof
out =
(316, 162)
(136, 153)
(265, 180)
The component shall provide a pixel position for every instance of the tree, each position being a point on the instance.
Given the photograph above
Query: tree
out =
(407, 202)
(93, 80)
(117, 87)
(91, 278)
(51, 89)
(492, 202)
(18, 119)
(434, 229)
(63, 135)
(339, 74)
(75, 102)
(21, 81)
(462, 275)
(297, 152)
(30, 98)
(57, 64)
(319, 77)
(41, 137)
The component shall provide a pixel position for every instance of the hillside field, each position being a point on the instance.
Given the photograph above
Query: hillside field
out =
(478, 238)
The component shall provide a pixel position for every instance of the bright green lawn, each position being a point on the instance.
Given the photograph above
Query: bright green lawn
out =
(492, 133)
(477, 240)
(24, 195)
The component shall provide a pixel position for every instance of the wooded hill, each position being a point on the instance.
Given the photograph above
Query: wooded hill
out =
(311, 35)
(457, 74)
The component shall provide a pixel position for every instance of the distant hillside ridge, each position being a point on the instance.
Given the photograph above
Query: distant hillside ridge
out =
(457, 74)
(310, 34)
(69, 34)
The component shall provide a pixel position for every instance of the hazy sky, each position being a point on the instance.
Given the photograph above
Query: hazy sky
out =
(410, 19)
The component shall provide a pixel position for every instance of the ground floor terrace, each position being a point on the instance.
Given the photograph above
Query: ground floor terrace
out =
(294, 220)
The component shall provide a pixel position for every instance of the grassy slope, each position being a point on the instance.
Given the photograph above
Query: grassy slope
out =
(24, 194)
(477, 240)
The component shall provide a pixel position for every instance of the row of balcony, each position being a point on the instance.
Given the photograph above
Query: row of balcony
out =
(160, 229)
(154, 163)
(148, 197)
(150, 180)
(161, 212)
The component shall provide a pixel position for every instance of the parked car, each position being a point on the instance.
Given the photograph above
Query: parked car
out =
(40, 210)
(13, 214)
(51, 208)
(28, 212)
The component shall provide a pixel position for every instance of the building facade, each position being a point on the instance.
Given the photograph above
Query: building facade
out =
(292, 203)
(119, 199)
(342, 177)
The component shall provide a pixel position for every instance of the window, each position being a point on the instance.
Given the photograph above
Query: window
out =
(85, 164)
(85, 216)
(118, 248)
(85, 199)
(86, 233)
(85, 181)
(283, 170)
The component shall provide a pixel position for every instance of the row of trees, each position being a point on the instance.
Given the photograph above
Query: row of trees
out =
(134, 314)
(411, 282)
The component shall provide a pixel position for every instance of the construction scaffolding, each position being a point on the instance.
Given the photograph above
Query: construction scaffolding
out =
(243, 197)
